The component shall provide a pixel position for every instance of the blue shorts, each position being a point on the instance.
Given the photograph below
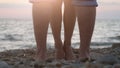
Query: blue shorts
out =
(75, 2)
(84, 2)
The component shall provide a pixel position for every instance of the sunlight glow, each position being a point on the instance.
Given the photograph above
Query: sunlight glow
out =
(14, 1)
(18, 8)
(27, 1)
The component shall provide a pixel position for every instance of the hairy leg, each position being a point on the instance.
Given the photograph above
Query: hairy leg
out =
(86, 21)
(69, 23)
(56, 21)
(41, 17)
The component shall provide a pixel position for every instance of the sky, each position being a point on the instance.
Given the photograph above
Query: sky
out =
(22, 9)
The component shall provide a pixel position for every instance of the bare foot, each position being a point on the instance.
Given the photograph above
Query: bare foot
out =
(59, 53)
(40, 56)
(68, 53)
(84, 56)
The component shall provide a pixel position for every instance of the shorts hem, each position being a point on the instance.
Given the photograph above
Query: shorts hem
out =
(85, 3)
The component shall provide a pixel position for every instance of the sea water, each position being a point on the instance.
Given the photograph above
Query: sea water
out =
(19, 34)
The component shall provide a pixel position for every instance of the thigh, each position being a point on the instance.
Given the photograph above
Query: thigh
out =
(41, 12)
(67, 2)
(57, 4)
(57, 9)
(69, 9)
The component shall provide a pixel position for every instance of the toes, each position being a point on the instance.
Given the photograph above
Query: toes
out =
(60, 54)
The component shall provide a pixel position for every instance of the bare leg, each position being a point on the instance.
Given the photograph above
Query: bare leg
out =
(56, 21)
(86, 21)
(69, 22)
(41, 17)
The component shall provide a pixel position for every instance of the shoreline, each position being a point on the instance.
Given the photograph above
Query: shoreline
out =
(52, 47)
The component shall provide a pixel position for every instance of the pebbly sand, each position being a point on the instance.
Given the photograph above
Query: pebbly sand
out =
(24, 58)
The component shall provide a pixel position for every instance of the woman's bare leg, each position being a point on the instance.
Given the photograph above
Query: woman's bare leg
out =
(41, 18)
(69, 23)
(86, 20)
(56, 21)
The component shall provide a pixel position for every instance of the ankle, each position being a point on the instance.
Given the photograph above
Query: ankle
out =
(84, 54)
(58, 45)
